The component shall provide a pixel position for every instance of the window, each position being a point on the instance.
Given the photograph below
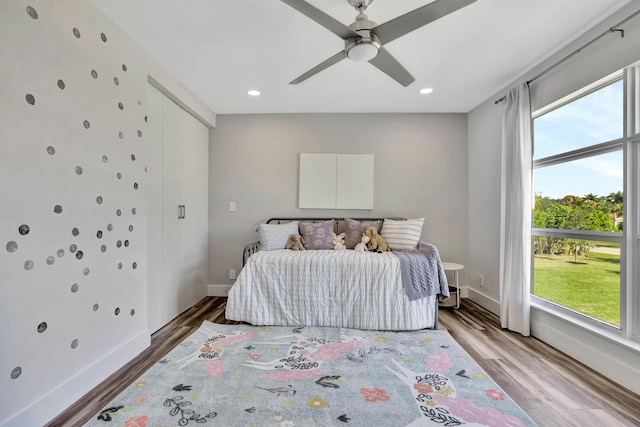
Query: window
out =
(579, 222)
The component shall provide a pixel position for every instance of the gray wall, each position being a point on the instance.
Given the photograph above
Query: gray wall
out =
(420, 171)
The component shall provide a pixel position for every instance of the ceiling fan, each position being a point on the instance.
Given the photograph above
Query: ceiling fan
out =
(364, 40)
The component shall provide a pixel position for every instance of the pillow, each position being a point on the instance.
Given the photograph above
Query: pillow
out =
(275, 236)
(402, 234)
(317, 235)
(354, 230)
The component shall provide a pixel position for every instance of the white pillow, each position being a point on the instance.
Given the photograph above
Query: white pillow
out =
(402, 234)
(275, 236)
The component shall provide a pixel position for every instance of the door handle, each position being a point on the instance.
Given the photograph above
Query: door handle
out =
(180, 211)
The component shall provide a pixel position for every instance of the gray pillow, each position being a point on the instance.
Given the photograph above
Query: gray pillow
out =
(317, 235)
(275, 236)
(354, 230)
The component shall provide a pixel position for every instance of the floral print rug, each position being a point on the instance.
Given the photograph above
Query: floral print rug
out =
(241, 375)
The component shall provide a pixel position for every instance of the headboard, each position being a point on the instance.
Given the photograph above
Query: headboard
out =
(338, 226)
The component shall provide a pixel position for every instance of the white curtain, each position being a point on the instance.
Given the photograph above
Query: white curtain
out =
(515, 227)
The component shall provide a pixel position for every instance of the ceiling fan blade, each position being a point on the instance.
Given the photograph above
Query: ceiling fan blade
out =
(331, 24)
(398, 27)
(315, 70)
(389, 65)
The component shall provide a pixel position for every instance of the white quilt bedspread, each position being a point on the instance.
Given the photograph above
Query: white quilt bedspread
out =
(361, 290)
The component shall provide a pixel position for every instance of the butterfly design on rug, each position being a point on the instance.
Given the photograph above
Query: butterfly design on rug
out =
(436, 398)
(305, 355)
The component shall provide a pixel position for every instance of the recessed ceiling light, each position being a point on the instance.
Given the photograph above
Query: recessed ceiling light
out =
(426, 90)
(254, 92)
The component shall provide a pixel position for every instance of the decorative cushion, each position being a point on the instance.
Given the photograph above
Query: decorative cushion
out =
(354, 230)
(402, 234)
(274, 236)
(317, 235)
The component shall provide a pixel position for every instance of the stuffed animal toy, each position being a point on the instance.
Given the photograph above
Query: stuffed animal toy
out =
(377, 243)
(295, 243)
(362, 246)
(338, 241)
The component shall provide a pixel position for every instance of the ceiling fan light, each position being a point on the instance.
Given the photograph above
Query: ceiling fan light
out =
(426, 90)
(362, 51)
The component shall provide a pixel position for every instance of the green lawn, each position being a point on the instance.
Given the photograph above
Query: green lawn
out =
(592, 286)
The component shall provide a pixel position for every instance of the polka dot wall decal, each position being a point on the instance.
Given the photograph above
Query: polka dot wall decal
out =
(86, 124)
(134, 265)
(28, 265)
(105, 159)
(57, 209)
(118, 212)
(12, 246)
(75, 287)
(95, 307)
(99, 200)
(119, 175)
(75, 231)
(139, 134)
(86, 271)
(133, 157)
(51, 151)
(119, 243)
(134, 211)
(32, 12)
(116, 81)
(30, 99)
(94, 74)
(110, 227)
(42, 327)
(132, 312)
(103, 36)
(103, 248)
(124, 67)
(117, 311)
(121, 105)
(16, 372)
(135, 185)
(60, 253)
(61, 84)
(139, 102)
(119, 266)
(50, 260)
(146, 119)
(99, 234)
(130, 227)
(73, 248)
(76, 32)
(79, 254)
(75, 343)
(120, 135)
(126, 243)
(24, 229)
(78, 170)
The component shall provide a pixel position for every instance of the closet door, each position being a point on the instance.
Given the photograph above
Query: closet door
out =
(173, 158)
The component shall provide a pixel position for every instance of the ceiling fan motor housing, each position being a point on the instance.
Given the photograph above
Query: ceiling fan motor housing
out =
(365, 47)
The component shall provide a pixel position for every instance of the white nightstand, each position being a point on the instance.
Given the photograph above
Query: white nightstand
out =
(454, 291)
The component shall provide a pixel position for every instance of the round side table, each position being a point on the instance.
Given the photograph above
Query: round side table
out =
(455, 289)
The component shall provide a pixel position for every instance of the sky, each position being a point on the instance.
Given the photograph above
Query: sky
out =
(593, 119)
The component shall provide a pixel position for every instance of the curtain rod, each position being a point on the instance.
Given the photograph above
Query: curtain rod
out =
(613, 29)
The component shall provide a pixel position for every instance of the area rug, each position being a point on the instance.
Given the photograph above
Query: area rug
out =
(240, 375)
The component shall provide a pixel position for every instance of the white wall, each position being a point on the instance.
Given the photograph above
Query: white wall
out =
(615, 358)
(48, 91)
(419, 171)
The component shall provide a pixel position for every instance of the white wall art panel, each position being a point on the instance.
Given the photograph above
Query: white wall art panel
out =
(73, 204)
(317, 181)
(354, 177)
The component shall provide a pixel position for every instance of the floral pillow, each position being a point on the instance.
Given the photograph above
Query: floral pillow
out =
(354, 230)
(317, 235)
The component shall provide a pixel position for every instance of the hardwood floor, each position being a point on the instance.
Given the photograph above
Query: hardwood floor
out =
(552, 388)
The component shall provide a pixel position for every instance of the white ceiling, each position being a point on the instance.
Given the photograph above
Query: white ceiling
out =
(220, 49)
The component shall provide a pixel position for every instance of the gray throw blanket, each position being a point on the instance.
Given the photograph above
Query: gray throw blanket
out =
(422, 273)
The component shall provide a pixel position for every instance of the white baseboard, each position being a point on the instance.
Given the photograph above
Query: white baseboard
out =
(45, 409)
(483, 300)
(218, 290)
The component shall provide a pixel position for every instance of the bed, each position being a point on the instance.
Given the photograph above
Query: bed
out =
(360, 290)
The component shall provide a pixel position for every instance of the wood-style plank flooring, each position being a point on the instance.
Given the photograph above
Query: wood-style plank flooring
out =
(554, 389)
